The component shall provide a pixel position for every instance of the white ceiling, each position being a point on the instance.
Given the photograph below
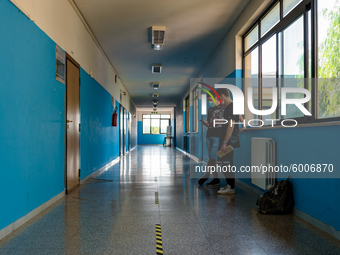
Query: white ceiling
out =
(194, 28)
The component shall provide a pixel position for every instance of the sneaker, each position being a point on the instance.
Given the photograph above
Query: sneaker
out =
(214, 183)
(202, 180)
(226, 190)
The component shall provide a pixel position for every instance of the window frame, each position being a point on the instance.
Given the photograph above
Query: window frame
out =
(159, 123)
(301, 9)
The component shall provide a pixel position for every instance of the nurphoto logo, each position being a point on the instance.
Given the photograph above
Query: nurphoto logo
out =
(239, 103)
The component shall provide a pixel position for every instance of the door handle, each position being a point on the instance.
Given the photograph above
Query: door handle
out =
(68, 121)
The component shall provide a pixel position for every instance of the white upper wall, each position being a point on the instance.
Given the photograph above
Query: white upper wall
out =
(142, 111)
(60, 21)
(228, 55)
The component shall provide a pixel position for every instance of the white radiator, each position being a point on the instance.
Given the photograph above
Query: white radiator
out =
(263, 153)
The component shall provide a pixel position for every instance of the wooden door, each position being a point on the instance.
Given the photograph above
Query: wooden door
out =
(72, 166)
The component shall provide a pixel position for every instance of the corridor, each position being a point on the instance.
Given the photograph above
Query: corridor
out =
(116, 213)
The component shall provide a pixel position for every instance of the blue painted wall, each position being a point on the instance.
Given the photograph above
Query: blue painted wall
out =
(310, 145)
(32, 114)
(32, 117)
(148, 139)
(99, 141)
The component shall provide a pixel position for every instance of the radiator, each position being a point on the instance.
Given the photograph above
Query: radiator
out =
(263, 153)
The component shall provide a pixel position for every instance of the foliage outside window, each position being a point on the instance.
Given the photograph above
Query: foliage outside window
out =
(155, 124)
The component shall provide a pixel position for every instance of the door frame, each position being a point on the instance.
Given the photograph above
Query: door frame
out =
(71, 59)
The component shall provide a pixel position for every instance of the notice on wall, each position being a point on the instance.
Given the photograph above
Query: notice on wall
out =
(60, 58)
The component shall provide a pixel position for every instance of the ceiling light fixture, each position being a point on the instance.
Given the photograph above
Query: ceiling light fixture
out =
(156, 68)
(157, 46)
(155, 85)
(158, 37)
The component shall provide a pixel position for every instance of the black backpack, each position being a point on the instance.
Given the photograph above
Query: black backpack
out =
(278, 200)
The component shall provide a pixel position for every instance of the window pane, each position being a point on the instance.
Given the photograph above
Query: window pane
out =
(155, 116)
(309, 104)
(251, 38)
(270, 20)
(146, 126)
(289, 5)
(269, 64)
(146, 116)
(164, 124)
(329, 64)
(165, 116)
(292, 63)
(154, 126)
(196, 112)
(251, 80)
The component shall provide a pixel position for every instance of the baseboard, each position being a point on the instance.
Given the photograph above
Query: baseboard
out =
(310, 219)
(100, 170)
(189, 155)
(18, 223)
(317, 223)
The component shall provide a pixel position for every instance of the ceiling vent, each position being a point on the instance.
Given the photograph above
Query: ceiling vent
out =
(155, 85)
(158, 37)
(156, 68)
(155, 95)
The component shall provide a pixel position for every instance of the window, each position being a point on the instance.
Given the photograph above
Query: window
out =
(195, 95)
(280, 50)
(270, 20)
(155, 123)
(187, 114)
(292, 62)
(251, 73)
(268, 76)
(251, 38)
(289, 5)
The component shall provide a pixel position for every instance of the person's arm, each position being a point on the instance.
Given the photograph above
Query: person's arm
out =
(243, 126)
(228, 134)
(204, 123)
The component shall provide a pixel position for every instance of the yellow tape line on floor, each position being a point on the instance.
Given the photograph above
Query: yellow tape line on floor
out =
(156, 198)
(159, 245)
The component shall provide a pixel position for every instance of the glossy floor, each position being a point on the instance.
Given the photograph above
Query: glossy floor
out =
(116, 213)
